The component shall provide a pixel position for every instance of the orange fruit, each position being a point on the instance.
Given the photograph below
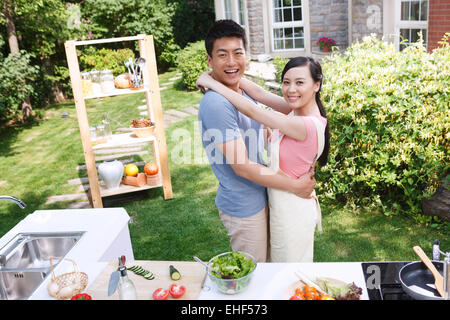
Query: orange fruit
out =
(131, 170)
(151, 168)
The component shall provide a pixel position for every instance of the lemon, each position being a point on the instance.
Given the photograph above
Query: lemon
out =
(131, 170)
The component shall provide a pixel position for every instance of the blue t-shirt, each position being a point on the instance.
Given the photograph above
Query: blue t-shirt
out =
(221, 122)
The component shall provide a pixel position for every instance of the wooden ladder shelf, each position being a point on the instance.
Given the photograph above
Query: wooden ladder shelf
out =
(154, 109)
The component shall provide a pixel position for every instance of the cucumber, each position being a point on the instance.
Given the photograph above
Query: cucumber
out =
(142, 272)
(174, 273)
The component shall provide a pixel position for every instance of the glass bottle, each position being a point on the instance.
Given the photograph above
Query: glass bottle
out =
(96, 87)
(86, 83)
(93, 132)
(101, 137)
(107, 124)
(107, 81)
(127, 290)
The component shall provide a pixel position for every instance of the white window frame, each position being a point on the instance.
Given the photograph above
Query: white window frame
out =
(234, 10)
(407, 24)
(304, 24)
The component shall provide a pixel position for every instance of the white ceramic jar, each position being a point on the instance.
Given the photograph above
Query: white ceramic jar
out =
(111, 172)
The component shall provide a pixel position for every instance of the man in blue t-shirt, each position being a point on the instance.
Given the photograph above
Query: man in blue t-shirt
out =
(234, 145)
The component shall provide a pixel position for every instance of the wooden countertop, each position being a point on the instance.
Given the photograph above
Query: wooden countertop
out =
(192, 275)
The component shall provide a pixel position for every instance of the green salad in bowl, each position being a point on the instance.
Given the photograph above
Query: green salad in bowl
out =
(235, 269)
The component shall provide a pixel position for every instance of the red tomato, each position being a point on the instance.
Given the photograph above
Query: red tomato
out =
(151, 168)
(295, 298)
(176, 290)
(160, 294)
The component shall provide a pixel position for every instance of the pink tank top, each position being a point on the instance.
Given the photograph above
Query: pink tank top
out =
(296, 157)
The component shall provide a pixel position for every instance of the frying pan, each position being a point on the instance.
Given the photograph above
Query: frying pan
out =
(418, 281)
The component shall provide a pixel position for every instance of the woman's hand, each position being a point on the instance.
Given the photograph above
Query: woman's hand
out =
(204, 81)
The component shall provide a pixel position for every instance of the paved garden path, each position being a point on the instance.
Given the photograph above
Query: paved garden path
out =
(125, 154)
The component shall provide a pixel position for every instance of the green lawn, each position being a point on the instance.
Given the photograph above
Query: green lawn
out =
(37, 160)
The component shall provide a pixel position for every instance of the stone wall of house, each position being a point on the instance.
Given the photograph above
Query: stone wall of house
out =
(255, 27)
(328, 18)
(367, 18)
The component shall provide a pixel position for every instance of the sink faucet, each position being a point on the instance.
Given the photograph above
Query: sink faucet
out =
(19, 202)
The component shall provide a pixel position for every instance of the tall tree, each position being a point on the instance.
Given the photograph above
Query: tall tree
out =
(8, 15)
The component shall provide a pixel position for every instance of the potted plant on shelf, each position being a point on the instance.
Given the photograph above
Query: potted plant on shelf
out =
(326, 44)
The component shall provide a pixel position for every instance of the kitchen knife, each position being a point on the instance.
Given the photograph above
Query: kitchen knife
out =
(113, 282)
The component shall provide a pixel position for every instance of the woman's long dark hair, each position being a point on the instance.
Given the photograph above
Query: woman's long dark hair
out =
(316, 73)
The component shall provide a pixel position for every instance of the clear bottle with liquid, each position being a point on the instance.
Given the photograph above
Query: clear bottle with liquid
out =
(107, 81)
(127, 290)
(96, 86)
(107, 123)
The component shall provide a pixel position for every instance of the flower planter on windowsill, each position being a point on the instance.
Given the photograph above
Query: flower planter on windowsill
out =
(325, 49)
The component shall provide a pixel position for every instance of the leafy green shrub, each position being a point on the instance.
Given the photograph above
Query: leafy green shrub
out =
(104, 58)
(16, 79)
(192, 63)
(279, 64)
(389, 120)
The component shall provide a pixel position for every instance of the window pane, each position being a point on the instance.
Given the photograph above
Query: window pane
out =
(228, 9)
(287, 3)
(287, 14)
(424, 11)
(415, 7)
(241, 13)
(297, 14)
(278, 44)
(277, 16)
(415, 35)
(288, 44)
(288, 32)
(405, 10)
(277, 34)
(299, 43)
(277, 3)
(424, 34)
(404, 34)
(298, 32)
(297, 2)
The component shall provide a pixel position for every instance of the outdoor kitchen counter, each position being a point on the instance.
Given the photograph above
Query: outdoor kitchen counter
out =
(269, 282)
(106, 237)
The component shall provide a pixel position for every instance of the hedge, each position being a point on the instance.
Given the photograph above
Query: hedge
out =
(389, 120)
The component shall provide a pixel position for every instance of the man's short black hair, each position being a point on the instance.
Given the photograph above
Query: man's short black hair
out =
(221, 29)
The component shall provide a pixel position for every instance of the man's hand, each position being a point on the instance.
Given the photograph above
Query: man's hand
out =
(304, 185)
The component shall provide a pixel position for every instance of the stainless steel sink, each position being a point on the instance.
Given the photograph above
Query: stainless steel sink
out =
(19, 285)
(24, 261)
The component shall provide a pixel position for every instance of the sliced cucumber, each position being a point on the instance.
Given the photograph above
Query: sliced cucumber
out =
(142, 272)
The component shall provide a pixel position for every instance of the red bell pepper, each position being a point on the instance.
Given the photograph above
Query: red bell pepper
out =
(81, 296)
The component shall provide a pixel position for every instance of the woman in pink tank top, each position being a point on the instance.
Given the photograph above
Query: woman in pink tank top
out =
(297, 138)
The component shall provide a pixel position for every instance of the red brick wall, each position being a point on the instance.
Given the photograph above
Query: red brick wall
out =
(438, 21)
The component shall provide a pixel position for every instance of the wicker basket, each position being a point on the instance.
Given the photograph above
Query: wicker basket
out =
(68, 284)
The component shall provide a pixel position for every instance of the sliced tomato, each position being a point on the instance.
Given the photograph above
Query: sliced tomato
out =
(177, 290)
(160, 294)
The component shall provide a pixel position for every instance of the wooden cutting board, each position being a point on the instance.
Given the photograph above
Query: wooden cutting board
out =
(192, 275)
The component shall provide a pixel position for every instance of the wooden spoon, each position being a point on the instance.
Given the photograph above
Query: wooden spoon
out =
(438, 279)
